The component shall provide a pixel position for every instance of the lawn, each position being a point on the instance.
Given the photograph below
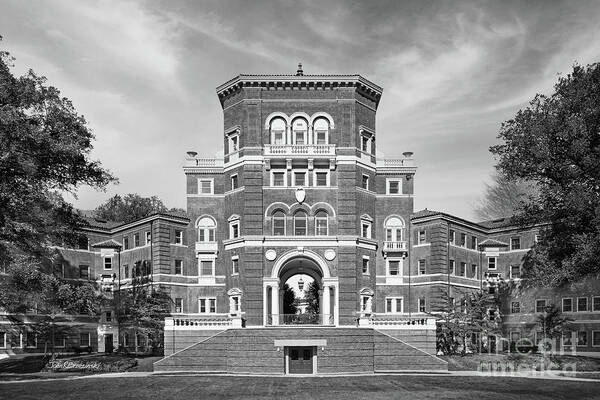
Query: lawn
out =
(330, 388)
(471, 362)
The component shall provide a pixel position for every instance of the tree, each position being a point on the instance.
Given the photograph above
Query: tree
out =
(504, 198)
(131, 207)
(552, 322)
(555, 143)
(289, 300)
(312, 298)
(45, 146)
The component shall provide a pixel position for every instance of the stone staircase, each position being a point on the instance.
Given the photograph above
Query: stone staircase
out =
(345, 350)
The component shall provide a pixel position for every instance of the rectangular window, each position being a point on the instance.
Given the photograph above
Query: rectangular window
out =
(365, 144)
(491, 262)
(107, 263)
(321, 226)
(515, 271)
(206, 268)
(365, 230)
(365, 182)
(148, 238)
(84, 339)
(300, 224)
(2, 340)
(83, 243)
(393, 186)
(394, 305)
(567, 305)
(178, 267)
(278, 178)
(125, 243)
(84, 272)
(422, 267)
(234, 182)
(320, 178)
(179, 305)
(422, 305)
(473, 270)
(515, 307)
(515, 336)
(299, 136)
(451, 236)
(205, 186)
(207, 305)
(178, 237)
(30, 339)
(233, 144)
(278, 137)
(234, 230)
(451, 267)
(596, 338)
(394, 267)
(321, 137)
(365, 265)
(462, 269)
(582, 338)
(299, 178)
(59, 341)
(463, 240)
(109, 316)
(473, 242)
(596, 303)
(279, 225)
(515, 243)
(540, 306)
(136, 240)
(126, 271)
(421, 237)
(582, 304)
(235, 266)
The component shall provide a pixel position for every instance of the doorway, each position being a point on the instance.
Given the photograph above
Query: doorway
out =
(301, 360)
(108, 343)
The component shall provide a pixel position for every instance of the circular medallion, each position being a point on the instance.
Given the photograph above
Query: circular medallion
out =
(271, 254)
(329, 254)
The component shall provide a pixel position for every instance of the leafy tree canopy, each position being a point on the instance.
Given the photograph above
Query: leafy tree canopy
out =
(555, 144)
(44, 151)
(504, 198)
(131, 207)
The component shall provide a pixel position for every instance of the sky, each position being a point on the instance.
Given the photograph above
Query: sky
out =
(144, 74)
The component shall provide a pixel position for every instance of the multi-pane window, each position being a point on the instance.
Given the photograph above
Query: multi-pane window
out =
(473, 270)
(421, 237)
(148, 237)
(321, 223)
(300, 223)
(422, 267)
(2, 340)
(233, 143)
(178, 237)
(107, 263)
(515, 243)
(84, 272)
(582, 304)
(206, 229)
(422, 304)
(582, 338)
(393, 186)
(596, 338)
(178, 267)
(235, 265)
(125, 243)
(451, 267)
(567, 305)
(136, 240)
(178, 305)
(126, 271)
(207, 305)
(321, 129)
(278, 127)
(491, 262)
(365, 229)
(515, 271)
(474, 242)
(365, 265)
(278, 178)
(540, 306)
(84, 339)
(365, 182)
(463, 240)
(451, 236)
(234, 229)
(462, 269)
(596, 303)
(278, 223)
(394, 305)
(207, 268)
(364, 146)
(234, 182)
(394, 267)
(205, 186)
(300, 178)
(321, 178)
(394, 228)
(515, 307)
(299, 131)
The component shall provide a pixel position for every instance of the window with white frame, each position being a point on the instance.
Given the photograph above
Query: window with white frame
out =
(300, 178)
(178, 305)
(321, 178)
(451, 236)
(567, 305)
(515, 272)
(463, 240)
(278, 223)
(321, 223)
(582, 338)
(125, 243)
(394, 229)
(394, 305)
(365, 265)
(178, 236)
(474, 242)
(148, 237)
(30, 339)
(206, 267)
(234, 229)
(365, 229)
(107, 262)
(473, 270)
(595, 338)
(451, 267)
(278, 178)
(207, 305)
(235, 265)
(205, 186)
(596, 303)
(422, 267)
(299, 131)
(300, 223)
(365, 143)
(84, 339)
(178, 267)
(515, 307)
(2, 340)
(234, 305)
(84, 272)
(278, 128)
(234, 182)
(462, 269)
(582, 304)
(492, 262)
(136, 240)
(394, 186)
(365, 182)
(421, 237)
(515, 243)
(422, 305)
(321, 131)
(206, 227)
(394, 267)
(540, 305)
(366, 305)
(233, 142)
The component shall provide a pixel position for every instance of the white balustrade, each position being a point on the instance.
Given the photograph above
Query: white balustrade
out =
(300, 149)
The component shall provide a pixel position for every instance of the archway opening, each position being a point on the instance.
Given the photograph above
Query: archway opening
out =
(301, 282)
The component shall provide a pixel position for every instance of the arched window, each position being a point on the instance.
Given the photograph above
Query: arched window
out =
(300, 223)
(278, 131)
(394, 230)
(206, 229)
(321, 129)
(299, 131)
(278, 223)
(321, 223)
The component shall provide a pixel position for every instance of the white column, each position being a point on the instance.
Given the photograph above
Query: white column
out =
(275, 304)
(326, 305)
(265, 305)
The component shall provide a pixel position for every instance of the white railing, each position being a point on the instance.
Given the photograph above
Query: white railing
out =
(199, 322)
(300, 149)
(395, 246)
(390, 321)
(395, 162)
(209, 162)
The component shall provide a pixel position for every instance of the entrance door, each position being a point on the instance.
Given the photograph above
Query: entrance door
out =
(301, 360)
(108, 343)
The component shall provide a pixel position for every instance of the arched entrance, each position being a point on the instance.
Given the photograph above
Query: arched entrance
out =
(304, 276)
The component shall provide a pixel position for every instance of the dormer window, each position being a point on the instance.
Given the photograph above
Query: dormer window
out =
(299, 131)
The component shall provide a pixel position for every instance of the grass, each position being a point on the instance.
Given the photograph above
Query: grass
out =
(471, 362)
(330, 388)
